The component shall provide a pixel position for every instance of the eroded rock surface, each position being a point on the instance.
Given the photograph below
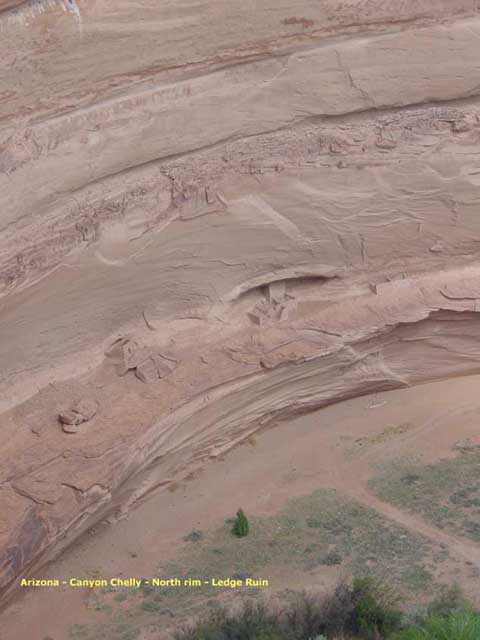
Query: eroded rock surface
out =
(202, 235)
(79, 412)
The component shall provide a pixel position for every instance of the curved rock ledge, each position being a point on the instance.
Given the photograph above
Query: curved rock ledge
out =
(215, 234)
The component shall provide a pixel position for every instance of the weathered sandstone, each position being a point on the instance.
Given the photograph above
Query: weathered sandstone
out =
(212, 219)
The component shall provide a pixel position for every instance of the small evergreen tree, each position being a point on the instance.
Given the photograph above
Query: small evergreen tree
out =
(240, 526)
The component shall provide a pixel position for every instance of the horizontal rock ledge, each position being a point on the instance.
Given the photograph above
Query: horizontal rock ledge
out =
(438, 63)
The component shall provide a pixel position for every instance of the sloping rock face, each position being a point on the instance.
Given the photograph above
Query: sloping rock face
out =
(213, 217)
(9, 4)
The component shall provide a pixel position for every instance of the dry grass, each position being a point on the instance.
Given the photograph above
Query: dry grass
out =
(446, 493)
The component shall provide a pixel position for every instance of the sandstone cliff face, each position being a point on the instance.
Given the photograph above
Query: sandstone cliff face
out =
(9, 4)
(213, 217)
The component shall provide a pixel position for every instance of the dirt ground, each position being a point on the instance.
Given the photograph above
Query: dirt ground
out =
(341, 447)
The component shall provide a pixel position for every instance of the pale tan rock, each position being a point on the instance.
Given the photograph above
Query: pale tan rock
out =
(122, 353)
(80, 412)
(277, 292)
(314, 144)
(154, 368)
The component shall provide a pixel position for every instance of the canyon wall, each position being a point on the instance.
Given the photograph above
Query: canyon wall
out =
(213, 217)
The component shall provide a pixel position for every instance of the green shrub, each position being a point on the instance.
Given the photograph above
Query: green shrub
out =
(240, 526)
(365, 610)
(252, 622)
(194, 536)
(332, 558)
(458, 625)
(305, 618)
(338, 611)
(375, 610)
(450, 599)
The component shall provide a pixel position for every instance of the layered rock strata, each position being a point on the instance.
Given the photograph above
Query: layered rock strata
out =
(271, 211)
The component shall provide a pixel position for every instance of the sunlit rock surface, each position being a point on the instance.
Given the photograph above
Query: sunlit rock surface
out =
(214, 216)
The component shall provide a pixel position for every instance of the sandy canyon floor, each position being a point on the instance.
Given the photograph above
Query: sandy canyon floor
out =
(239, 266)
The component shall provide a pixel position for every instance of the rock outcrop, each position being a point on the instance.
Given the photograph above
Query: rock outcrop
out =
(77, 414)
(203, 235)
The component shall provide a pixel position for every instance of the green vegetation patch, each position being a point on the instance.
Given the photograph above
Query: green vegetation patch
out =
(458, 625)
(367, 609)
(446, 493)
(312, 532)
